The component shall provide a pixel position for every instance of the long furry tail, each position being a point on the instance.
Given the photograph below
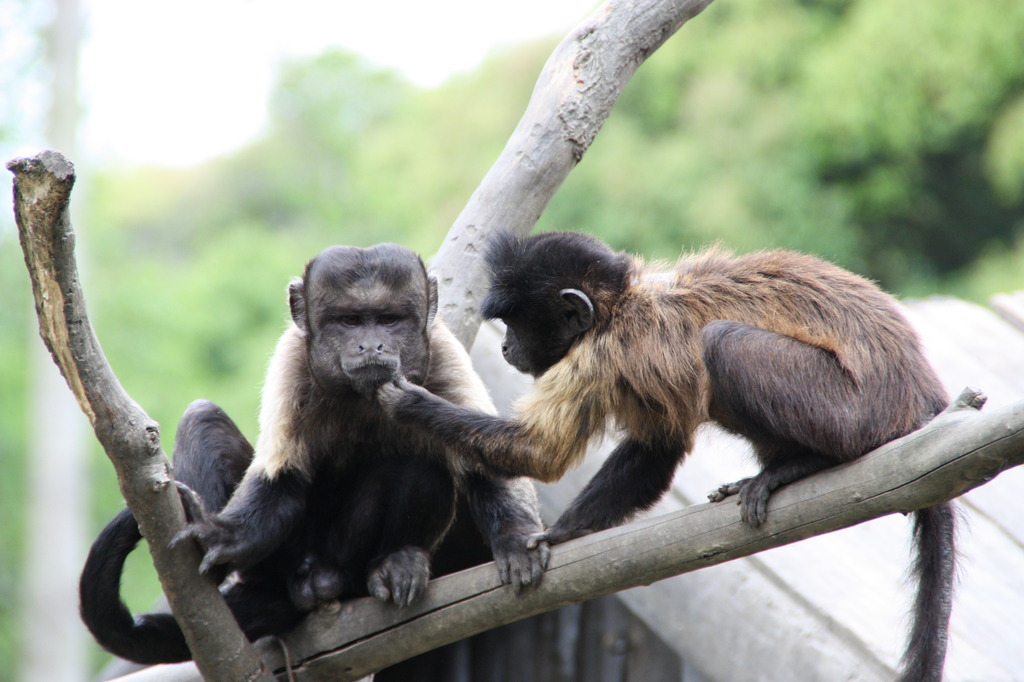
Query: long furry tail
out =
(934, 569)
(149, 638)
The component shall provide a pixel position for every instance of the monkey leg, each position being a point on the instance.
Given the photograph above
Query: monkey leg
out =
(631, 480)
(210, 453)
(755, 491)
(376, 529)
(792, 400)
(419, 511)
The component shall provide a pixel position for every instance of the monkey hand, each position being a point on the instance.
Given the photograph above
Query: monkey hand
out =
(520, 563)
(753, 498)
(401, 576)
(393, 393)
(219, 542)
(200, 525)
(555, 535)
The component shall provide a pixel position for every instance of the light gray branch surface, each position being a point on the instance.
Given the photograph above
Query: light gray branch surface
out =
(42, 190)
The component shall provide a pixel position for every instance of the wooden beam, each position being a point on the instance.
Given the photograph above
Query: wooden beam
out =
(958, 451)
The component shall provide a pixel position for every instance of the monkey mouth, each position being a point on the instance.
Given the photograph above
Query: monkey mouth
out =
(372, 375)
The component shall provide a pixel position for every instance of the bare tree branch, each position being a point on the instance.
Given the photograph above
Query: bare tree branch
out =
(42, 191)
(573, 96)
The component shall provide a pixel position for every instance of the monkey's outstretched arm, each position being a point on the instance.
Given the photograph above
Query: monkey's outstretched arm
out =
(505, 447)
(633, 478)
(505, 511)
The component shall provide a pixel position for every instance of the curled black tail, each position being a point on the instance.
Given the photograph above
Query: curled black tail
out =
(149, 638)
(935, 571)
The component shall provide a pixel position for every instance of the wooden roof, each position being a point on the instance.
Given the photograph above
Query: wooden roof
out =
(833, 607)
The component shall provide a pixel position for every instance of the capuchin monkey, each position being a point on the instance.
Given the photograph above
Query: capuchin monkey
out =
(337, 500)
(812, 364)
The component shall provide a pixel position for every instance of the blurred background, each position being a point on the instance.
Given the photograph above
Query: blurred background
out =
(220, 145)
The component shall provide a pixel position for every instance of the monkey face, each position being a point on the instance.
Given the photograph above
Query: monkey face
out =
(534, 343)
(532, 347)
(365, 314)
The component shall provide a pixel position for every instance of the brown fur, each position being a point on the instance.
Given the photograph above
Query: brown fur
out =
(642, 364)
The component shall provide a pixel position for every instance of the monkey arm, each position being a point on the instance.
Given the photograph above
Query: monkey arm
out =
(505, 511)
(631, 480)
(256, 520)
(503, 446)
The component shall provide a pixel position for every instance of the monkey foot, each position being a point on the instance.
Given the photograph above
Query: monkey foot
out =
(401, 577)
(753, 498)
(724, 491)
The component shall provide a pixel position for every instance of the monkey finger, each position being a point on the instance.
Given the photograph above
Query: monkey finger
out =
(190, 532)
(399, 591)
(727, 489)
(213, 557)
(536, 540)
(403, 384)
(195, 512)
(504, 569)
(754, 508)
(388, 393)
(416, 588)
(376, 585)
(543, 558)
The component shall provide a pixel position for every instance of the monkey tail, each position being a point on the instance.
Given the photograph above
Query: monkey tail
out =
(934, 568)
(148, 638)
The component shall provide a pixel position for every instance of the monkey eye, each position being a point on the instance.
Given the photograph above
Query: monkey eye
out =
(350, 320)
(389, 320)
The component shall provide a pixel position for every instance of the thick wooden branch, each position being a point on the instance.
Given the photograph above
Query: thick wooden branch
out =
(960, 450)
(42, 191)
(573, 96)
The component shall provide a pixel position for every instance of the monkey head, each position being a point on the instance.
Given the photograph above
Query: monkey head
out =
(364, 314)
(549, 289)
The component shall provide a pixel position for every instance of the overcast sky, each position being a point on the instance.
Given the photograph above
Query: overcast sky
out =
(175, 83)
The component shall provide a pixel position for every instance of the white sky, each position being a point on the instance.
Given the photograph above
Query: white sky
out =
(174, 83)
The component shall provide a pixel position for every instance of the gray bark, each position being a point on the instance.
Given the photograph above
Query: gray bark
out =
(573, 96)
(42, 190)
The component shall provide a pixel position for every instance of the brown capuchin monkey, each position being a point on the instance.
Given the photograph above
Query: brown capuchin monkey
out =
(812, 364)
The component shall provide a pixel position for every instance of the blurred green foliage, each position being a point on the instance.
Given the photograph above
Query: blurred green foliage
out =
(887, 135)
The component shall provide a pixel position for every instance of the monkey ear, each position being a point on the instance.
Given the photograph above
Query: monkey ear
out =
(297, 303)
(431, 298)
(579, 311)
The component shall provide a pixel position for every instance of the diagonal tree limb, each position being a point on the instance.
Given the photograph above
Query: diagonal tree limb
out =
(574, 94)
(42, 191)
